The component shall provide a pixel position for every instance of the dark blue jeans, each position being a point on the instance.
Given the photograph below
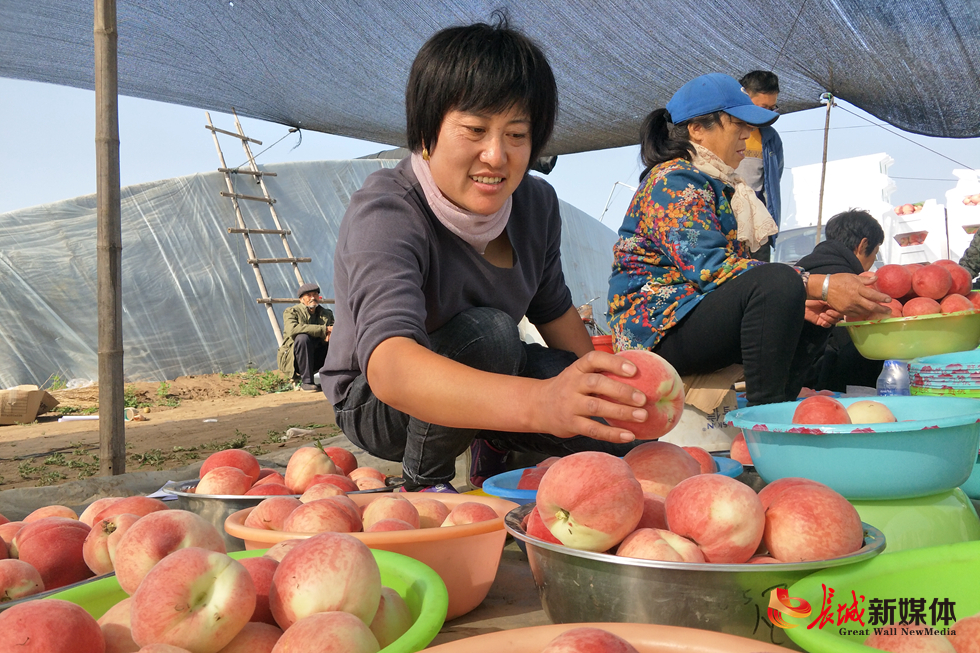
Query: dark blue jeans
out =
(482, 338)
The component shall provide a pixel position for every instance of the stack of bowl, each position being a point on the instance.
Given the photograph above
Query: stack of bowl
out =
(949, 375)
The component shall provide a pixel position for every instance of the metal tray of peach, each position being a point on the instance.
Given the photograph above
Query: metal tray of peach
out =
(581, 586)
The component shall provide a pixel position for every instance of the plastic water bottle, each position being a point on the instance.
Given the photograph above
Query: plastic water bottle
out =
(894, 379)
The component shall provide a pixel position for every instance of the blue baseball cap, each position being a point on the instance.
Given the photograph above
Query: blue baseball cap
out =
(716, 92)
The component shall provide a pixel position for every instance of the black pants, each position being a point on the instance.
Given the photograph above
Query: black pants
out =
(755, 319)
(309, 354)
(482, 338)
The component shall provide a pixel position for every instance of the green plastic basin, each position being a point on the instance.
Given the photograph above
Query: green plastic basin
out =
(940, 572)
(422, 589)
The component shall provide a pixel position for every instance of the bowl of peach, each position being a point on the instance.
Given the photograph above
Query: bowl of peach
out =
(619, 539)
(576, 585)
(461, 537)
(232, 480)
(905, 338)
(917, 446)
(937, 312)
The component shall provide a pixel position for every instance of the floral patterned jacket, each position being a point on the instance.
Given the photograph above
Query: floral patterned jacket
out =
(677, 243)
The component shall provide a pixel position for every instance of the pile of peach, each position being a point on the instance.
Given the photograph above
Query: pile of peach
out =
(908, 209)
(972, 200)
(917, 289)
(656, 503)
(187, 596)
(237, 472)
(338, 514)
(53, 547)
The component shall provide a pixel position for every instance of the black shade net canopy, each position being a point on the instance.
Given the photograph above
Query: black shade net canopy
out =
(340, 66)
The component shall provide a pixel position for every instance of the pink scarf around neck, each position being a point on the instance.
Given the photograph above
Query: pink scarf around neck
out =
(476, 229)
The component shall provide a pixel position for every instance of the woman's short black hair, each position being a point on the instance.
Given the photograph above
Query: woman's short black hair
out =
(479, 68)
(854, 225)
(760, 81)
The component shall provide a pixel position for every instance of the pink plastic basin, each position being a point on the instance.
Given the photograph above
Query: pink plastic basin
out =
(465, 557)
(646, 638)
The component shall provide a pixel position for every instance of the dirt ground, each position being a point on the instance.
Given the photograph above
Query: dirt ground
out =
(175, 427)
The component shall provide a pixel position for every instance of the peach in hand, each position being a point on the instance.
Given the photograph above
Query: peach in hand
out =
(659, 382)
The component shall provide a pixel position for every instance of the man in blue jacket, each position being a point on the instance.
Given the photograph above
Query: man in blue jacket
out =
(762, 167)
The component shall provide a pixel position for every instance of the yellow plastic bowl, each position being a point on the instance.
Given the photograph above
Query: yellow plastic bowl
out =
(646, 638)
(905, 338)
(465, 557)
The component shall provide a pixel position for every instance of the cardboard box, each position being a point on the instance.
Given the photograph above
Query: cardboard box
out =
(20, 405)
(707, 399)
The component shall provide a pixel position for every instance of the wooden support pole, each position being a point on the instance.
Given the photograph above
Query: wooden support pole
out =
(823, 167)
(112, 429)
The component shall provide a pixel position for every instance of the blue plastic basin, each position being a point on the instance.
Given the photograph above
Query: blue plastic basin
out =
(505, 485)
(972, 485)
(932, 448)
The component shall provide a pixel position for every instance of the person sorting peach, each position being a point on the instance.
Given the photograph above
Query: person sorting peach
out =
(683, 284)
(439, 258)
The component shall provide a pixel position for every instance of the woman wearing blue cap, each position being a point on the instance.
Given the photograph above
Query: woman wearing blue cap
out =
(683, 283)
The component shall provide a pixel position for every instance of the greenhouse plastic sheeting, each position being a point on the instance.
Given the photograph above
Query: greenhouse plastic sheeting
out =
(341, 66)
(188, 296)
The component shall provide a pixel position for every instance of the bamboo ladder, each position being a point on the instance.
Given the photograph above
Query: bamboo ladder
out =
(253, 170)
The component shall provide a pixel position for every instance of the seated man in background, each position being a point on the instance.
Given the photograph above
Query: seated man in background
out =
(971, 259)
(306, 333)
(853, 239)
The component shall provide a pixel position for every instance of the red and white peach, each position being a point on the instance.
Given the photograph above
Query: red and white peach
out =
(658, 544)
(156, 536)
(328, 632)
(590, 500)
(659, 466)
(44, 625)
(811, 522)
(195, 599)
(724, 517)
(53, 546)
(329, 571)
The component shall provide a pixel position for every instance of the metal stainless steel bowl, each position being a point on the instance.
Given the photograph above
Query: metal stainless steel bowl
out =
(216, 508)
(580, 586)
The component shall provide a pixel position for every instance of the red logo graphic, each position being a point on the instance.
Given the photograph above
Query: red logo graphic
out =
(780, 603)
